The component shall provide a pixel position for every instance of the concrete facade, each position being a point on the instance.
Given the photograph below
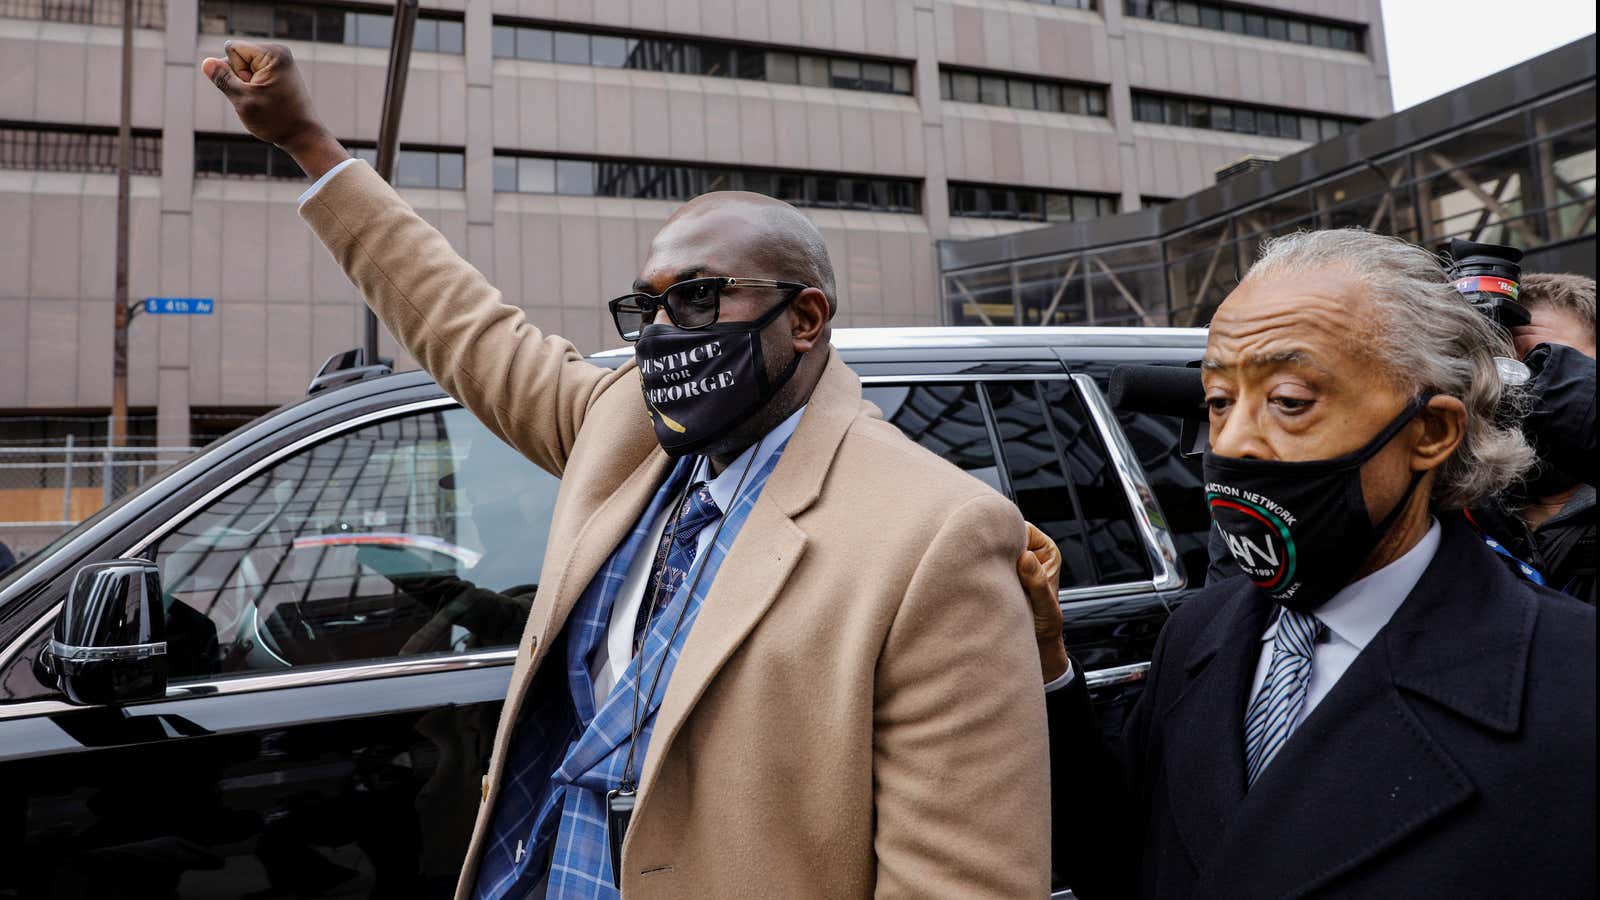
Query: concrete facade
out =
(282, 306)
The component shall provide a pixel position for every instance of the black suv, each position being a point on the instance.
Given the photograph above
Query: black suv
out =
(342, 584)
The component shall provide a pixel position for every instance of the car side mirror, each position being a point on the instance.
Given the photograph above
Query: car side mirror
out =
(110, 639)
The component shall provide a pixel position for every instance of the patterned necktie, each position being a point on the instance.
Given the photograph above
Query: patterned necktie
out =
(675, 556)
(1277, 705)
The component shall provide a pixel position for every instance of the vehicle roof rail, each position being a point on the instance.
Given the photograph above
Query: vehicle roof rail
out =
(347, 367)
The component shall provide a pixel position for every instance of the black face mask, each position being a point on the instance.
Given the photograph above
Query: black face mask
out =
(1300, 530)
(701, 383)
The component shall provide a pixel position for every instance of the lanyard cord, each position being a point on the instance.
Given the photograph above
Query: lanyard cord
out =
(627, 785)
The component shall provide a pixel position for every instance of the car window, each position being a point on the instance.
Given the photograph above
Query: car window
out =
(944, 417)
(1057, 469)
(1178, 486)
(1114, 543)
(414, 535)
(1033, 456)
(1176, 479)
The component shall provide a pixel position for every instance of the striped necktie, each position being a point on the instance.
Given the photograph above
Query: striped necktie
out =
(675, 556)
(1277, 705)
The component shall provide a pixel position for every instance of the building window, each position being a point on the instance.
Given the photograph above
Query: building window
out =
(45, 148)
(362, 27)
(1299, 126)
(1147, 201)
(146, 13)
(697, 57)
(1070, 4)
(242, 157)
(674, 181)
(994, 89)
(987, 201)
(1240, 20)
(423, 167)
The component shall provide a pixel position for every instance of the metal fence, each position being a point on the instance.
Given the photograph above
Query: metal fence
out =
(61, 485)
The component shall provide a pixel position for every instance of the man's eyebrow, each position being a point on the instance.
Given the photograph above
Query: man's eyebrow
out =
(1263, 360)
(645, 287)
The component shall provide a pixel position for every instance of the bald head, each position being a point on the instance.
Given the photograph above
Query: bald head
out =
(744, 235)
(732, 234)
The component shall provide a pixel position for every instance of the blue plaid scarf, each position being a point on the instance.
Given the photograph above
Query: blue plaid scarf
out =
(566, 754)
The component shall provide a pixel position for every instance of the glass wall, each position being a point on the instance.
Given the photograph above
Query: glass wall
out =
(1525, 177)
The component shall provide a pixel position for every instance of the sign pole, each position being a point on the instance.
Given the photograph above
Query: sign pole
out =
(394, 95)
(119, 339)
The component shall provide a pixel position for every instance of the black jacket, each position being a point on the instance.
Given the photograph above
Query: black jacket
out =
(1562, 549)
(1454, 758)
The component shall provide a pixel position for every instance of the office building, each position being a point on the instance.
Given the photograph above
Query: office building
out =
(549, 139)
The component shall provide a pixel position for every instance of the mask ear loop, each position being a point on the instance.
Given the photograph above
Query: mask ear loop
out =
(770, 386)
(1416, 407)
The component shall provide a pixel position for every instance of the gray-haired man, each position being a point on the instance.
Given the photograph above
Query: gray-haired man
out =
(1377, 707)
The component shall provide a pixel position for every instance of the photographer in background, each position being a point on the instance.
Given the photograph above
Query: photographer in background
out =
(1548, 522)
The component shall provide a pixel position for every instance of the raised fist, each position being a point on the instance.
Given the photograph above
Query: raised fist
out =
(266, 90)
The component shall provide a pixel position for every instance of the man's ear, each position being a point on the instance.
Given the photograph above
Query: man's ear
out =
(1444, 427)
(808, 319)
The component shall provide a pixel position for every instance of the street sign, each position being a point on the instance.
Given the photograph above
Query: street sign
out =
(179, 306)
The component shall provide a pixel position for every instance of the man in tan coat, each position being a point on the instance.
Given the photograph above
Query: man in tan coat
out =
(789, 640)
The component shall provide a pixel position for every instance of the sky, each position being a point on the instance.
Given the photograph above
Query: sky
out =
(1436, 46)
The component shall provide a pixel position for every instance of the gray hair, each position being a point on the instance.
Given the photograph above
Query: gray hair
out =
(1431, 339)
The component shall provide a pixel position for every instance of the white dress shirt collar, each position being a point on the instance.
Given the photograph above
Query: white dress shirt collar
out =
(1360, 610)
(722, 486)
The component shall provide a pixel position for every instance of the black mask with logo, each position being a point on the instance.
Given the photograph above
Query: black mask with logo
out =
(1300, 530)
(701, 383)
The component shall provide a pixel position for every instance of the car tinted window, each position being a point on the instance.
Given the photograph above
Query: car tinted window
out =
(947, 418)
(415, 535)
(1177, 484)
(1114, 543)
(1033, 460)
(1057, 469)
(1175, 478)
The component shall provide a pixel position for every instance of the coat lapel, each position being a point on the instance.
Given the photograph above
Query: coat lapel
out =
(768, 547)
(1203, 731)
(596, 540)
(1364, 772)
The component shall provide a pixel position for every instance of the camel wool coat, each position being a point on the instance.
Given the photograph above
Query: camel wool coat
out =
(857, 711)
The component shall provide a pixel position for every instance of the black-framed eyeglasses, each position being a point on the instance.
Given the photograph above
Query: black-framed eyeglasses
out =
(695, 303)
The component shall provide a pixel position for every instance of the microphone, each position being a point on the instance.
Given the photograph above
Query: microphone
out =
(1165, 391)
(1157, 390)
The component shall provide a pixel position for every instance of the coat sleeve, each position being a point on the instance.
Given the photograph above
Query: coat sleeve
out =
(960, 768)
(531, 389)
(1100, 787)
